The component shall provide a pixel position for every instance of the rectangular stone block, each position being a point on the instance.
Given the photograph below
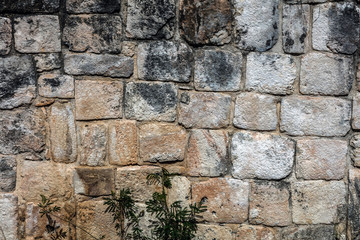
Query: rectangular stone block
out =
(9, 217)
(256, 232)
(92, 6)
(321, 116)
(47, 61)
(94, 181)
(7, 173)
(5, 35)
(214, 232)
(29, 6)
(318, 232)
(56, 85)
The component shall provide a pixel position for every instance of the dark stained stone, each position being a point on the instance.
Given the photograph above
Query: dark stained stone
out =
(354, 204)
(29, 6)
(316, 232)
(5, 36)
(94, 182)
(92, 6)
(7, 173)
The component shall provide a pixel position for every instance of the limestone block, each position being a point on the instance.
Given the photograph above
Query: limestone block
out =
(355, 149)
(5, 35)
(255, 232)
(94, 181)
(356, 111)
(7, 173)
(318, 232)
(214, 232)
(9, 216)
(354, 203)
(92, 6)
(56, 85)
(47, 61)
(29, 6)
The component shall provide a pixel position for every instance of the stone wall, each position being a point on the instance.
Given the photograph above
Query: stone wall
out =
(254, 104)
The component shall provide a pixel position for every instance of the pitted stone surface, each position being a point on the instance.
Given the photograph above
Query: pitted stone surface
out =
(94, 181)
(180, 191)
(17, 81)
(93, 33)
(336, 27)
(263, 156)
(29, 6)
(150, 19)
(256, 24)
(164, 61)
(95, 64)
(7, 173)
(151, 101)
(217, 70)
(9, 216)
(37, 34)
(46, 62)
(214, 232)
(206, 22)
(92, 6)
(270, 73)
(5, 35)
(321, 116)
(56, 85)
(255, 232)
(326, 74)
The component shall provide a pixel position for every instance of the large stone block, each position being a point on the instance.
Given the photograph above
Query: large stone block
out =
(164, 61)
(270, 73)
(263, 156)
(47, 61)
(92, 6)
(93, 33)
(56, 85)
(29, 6)
(94, 181)
(214, 232)
(326, 74)
(5, 35)
(256, 24)
(7, 173)
(255, 232)
(204, 110)
(37, 34)
(206, 22)
(322, 116)
(151, 101)
(8, 217)
(311, 232)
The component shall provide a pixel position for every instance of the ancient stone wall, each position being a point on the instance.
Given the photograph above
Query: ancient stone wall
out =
(253, 103)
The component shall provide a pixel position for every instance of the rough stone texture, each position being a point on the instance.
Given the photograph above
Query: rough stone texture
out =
(356, 111)
(355, 149)
(5, 35)
(270, 73)
(213, 232)
(134, 178)
(95, 64)
(256, 24)
(94, 181)
(255, 111)
(318, 232)
(56, 85)
(9, 216)
(98, 99)
(46, 62)
(207, 153)
(29, 6)
(204, 110)
(37, 34)
(164, 61)
(295, 28)
(162, 142)
(269, 204)
(123, 146)
(326, 74)
(206, 21)
(93, 33)
(7, 173)
(304, 1)
(226, 199)
(151, 101)
(63, 142)
(253, 232)
(92, 143)
(18, 79)
(263, 156)
(354, 203)
(317, 202)
(322, 116)
(217, 70)
(321, 159)
(336, 27)
(150, 19)
(180, 191)
(92, 6)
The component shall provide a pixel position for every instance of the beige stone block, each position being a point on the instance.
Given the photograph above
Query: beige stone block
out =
(8, 217)
(213, 232)
(253, 232)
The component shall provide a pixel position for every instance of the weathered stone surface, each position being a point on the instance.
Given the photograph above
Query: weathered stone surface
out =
(18, 79)
(214, 232)
(22, 131)
(46, 62)
(134, 178)
(304, 1)
(321, 159)
(29, 6)
(92, 143)
(63, 142)
(95, 64)
(217, 70)
(93, 33)
(8, 217)
(7, 173)
(322, 116)
(355, 149)
(253, 232)
(98, 99)
(180, 191)
(94, 181)
(263, 156)
(317, 202)
(56, 85)
(204, 110)
(356, 111)
(92, 6)
(123, 146)
(270, 73)
(37, 34)
(326, 74)
(35, 225)
(316, 232)
(208, 153)
(206, 22)
(151, 101)
(256, 24)
(336, 27)
(164, 61)
(162, 142)
(42, 102)
(150, 19)
(255, 111)
(5, 35)
(295, 28)
(226, 199)
(354, 203)
(269, 204)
